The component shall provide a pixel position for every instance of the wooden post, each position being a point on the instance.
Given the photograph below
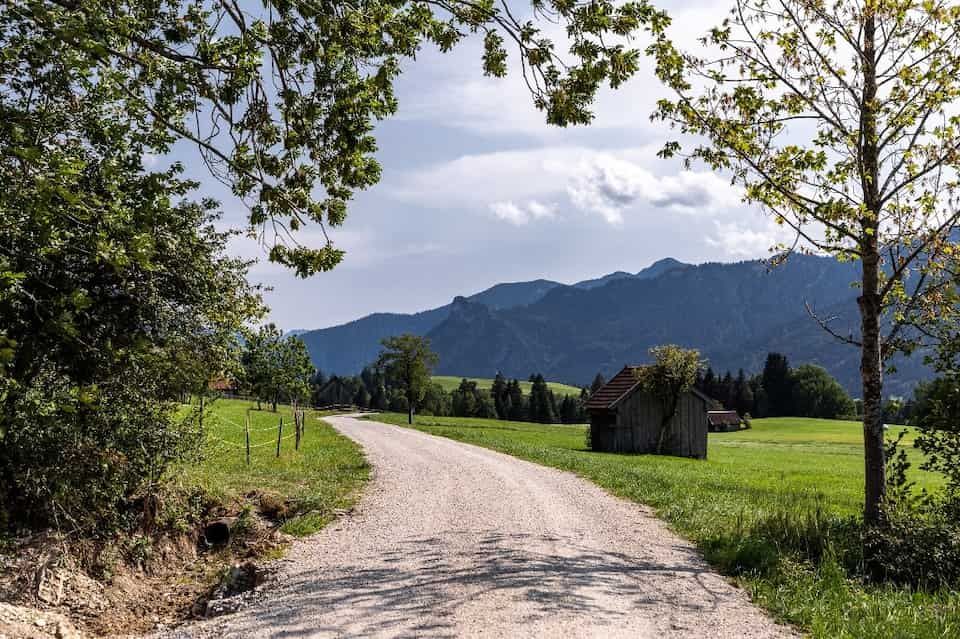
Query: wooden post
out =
(279, 435)
(296, 419)
(246, 430)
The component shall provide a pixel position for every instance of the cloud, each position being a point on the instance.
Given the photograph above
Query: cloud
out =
(520, 214)
(739, 240)
(604, 184)
(608, 185)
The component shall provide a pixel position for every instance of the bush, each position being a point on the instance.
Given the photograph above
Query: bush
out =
(83, 466)
(917, 541)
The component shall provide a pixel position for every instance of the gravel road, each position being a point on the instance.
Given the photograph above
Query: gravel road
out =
(452, 540)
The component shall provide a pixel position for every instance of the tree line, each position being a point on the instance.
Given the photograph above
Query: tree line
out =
(778, 391)
(505, 399)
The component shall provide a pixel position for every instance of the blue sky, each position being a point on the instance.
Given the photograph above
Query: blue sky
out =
(477, 190)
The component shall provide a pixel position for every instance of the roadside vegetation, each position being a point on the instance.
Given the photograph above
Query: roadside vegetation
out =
(775, 506)
(303, 488)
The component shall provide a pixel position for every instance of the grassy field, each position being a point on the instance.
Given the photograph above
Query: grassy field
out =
(746, 507)
(323, 476)
(451, 382)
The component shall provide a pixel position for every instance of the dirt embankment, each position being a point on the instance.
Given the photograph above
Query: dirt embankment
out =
(54, 586)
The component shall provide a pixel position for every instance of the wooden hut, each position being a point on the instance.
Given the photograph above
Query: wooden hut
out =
(624, 419)
(723, 421)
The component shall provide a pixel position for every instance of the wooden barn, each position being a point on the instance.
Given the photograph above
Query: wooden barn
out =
(624, 419)
(723, 421)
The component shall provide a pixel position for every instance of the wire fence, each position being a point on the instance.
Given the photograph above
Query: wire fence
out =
(224, 446)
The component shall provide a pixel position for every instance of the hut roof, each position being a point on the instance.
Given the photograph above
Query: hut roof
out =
(723, 418)
(619, 386)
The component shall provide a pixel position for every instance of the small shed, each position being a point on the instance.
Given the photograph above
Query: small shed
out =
(723, 421)
(624, 419)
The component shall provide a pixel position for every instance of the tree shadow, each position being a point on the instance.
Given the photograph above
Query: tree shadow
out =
(417, 587)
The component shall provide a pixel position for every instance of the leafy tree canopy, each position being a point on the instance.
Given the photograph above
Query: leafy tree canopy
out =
(407, 361)
(840, 120)
(281, 97)
(672, 373)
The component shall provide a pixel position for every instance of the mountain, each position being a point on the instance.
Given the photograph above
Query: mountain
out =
(733, 313)
(654, 270)
(347, 348)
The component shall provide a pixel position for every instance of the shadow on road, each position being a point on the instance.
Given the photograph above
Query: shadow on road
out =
(415, 590)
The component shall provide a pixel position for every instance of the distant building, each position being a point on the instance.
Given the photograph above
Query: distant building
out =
(624, 419)
(723, 420)
(223, 385)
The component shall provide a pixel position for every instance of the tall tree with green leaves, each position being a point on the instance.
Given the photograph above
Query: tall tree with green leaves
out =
(281, 98)
(407, 361)
(276, 367)
(841, 121)
(672, 373)
(116, 298)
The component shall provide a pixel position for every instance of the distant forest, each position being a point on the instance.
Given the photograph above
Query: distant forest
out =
(776, 391)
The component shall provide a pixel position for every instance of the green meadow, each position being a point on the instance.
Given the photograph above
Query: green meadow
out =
(451, 382)
(323, 476)
(755, 507)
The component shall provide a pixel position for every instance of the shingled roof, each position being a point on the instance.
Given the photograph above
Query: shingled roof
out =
(723, 418)
(619, 386)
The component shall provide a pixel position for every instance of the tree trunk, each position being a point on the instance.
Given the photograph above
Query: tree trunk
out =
(870, 302)
(665, 424)
(410, 412)
(871, 374)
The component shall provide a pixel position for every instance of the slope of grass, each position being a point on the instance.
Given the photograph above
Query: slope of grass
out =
(324, 475)
(757, 490)
(451, 382)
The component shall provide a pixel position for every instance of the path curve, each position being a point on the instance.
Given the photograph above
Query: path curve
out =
(453, 540)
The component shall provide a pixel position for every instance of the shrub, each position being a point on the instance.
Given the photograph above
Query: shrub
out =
(917, 541)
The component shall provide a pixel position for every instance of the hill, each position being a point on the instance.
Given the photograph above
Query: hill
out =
(734, 313)
(451, 382)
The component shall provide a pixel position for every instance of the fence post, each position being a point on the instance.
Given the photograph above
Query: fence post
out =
(296, 422)
(279, 435)
(246, 430)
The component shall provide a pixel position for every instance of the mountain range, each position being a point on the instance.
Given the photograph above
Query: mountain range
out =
(734, 313)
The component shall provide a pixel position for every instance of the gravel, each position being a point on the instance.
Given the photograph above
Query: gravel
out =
(452, 540)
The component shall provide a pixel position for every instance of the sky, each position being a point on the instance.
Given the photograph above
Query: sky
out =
(478, 190)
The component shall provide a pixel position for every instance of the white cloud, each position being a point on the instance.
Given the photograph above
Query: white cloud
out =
(738, 240)
(605, 184)
(521, 214)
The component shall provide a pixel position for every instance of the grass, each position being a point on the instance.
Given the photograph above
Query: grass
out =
(451, 382)
(746, 507)
(324, 475)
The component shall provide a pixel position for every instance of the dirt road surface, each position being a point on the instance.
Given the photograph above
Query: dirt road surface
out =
(452, 540)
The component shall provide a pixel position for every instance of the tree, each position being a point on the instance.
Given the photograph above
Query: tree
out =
(294, 370)
(500, 394)
(841, 122)
(817, 394)
(116, 298)
(671, 374)
(742, 394)
(406, 361)
(465, 399)
(542, 404)
(777, 385)
(299, 86)
(518, 405)
(277, 367)
(597, 384)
